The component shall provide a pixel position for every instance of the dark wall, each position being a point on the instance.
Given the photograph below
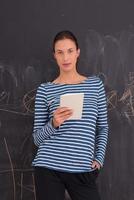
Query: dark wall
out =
(106, 36)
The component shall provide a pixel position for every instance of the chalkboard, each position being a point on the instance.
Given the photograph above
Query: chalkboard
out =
(107, 50)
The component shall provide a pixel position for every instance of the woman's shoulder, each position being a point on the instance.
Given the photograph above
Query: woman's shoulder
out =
(94, 78)
(42, 87)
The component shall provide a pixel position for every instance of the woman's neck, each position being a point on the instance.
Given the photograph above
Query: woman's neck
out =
(70, 78)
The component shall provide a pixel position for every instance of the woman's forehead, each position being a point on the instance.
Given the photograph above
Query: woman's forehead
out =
(65, 44)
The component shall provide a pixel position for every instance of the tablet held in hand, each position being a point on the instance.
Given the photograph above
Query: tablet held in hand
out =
(75, 102)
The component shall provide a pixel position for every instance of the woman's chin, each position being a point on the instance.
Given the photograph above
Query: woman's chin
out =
(67, 70)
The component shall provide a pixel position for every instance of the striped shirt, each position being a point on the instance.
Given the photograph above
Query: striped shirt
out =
(76, 143)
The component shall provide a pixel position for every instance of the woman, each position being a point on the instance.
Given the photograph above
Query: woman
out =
(70, 151)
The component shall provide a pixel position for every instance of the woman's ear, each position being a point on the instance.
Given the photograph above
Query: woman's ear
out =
(78, 52)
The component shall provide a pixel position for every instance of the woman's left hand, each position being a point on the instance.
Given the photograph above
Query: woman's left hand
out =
(96, 165)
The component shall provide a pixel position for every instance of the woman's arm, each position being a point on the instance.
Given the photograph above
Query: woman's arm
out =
(101, 126)
(43, 128)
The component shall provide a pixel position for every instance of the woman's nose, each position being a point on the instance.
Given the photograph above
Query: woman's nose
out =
(65, 57)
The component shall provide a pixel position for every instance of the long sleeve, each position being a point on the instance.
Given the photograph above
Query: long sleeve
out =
(43, 128)
(101, 126)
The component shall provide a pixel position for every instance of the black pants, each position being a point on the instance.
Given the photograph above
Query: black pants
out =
(51, 185)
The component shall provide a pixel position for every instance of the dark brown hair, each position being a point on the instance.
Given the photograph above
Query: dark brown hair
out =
(65, 35)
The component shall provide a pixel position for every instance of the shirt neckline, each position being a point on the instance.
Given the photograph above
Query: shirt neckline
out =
(61, 84)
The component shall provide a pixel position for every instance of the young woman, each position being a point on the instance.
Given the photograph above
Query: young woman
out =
(70, 151)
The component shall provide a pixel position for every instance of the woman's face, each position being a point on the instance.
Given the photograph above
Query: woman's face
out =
(66, 54)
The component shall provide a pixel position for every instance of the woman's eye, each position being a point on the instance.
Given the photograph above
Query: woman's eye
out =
(70, 51)
(59, 52)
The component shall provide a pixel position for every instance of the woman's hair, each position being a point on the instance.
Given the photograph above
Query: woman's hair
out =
(65, 35)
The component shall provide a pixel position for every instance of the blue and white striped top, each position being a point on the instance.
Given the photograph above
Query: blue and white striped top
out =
(76, 143)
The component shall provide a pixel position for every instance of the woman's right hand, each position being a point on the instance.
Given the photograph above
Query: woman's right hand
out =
(60, 115)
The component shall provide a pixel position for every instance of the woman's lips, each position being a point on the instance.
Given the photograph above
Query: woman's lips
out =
(66, 64)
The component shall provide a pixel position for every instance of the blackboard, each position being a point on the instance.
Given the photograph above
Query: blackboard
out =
(106, 36)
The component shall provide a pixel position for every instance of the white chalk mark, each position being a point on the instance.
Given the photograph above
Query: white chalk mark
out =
(12, 169)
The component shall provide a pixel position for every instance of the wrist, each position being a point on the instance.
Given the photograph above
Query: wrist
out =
(54, 124)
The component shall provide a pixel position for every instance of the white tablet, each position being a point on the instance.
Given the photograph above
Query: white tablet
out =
(73, 101)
